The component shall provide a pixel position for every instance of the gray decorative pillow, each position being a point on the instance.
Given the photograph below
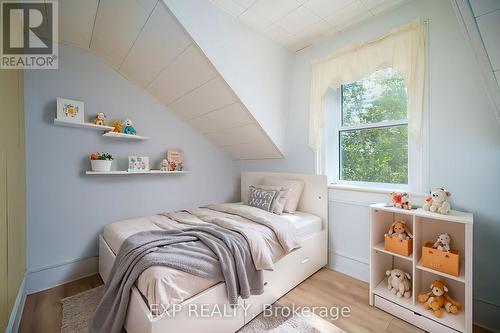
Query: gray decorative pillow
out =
(260, 198)
(280, 201)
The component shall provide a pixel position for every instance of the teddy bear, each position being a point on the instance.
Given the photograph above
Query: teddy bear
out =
(438, 298)
(399, 282)
(400, 230)
(438, 201)
(401, 200)
(128, 128)
(164, 165)
(443, 242)
(117, 127)
(100, 119)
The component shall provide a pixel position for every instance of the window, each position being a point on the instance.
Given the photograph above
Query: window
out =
(371, 130)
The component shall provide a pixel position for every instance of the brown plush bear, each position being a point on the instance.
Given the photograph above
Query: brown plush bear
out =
(437, 299)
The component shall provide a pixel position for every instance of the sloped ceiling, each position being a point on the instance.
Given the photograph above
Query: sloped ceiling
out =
(143, 41)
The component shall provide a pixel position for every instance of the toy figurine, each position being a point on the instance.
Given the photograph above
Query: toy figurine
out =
(172, 166)
(438, 201)
(179, 166)
(164, 165)
(438, 298)
(128, 128)
(118, 128)
(401, 200)
(100, 119)
(400, 230)
(443, 243)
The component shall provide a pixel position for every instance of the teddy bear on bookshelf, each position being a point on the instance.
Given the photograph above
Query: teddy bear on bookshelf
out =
(443, 242)
(128, 128)
(399, 282)
(438, 201)
(400, 230)
(438, 298)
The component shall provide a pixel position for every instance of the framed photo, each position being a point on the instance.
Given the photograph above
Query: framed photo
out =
(173, 155)
(70, 110)
(138, 163)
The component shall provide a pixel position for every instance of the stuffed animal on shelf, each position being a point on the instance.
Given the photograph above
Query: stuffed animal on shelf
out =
(164, 165)
(400, 230)
(438, 201)
(438, 298)
(117, 127)
(443, 242)
(401, 200)
(100, 119)
(128, 128)
(399, 282)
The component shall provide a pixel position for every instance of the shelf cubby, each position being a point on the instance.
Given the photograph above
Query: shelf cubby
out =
(425, 227)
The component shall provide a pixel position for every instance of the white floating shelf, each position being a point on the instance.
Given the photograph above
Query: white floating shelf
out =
(151, 172)
(124, 136)
(82, 125)
(380, 248)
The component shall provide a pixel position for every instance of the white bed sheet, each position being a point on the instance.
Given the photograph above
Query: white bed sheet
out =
(163, 285)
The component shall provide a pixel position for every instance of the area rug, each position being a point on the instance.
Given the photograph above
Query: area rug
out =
(78, 311)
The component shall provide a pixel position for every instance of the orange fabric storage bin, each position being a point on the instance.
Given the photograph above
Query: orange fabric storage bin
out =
(446, 262)
(403, 247)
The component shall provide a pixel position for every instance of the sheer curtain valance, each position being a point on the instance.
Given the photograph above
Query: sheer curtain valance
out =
(402, 49)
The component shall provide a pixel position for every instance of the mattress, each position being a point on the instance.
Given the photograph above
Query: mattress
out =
(161, 285)
(305, 224)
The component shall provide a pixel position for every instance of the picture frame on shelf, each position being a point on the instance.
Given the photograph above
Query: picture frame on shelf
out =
(174, 159)
(71, 111)
(138, 163)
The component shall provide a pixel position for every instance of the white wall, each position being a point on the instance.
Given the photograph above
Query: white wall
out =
(257, 69)
(67, 209)
(464, 151)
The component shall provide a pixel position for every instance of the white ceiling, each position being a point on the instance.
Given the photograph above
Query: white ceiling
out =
(298, 23)
(143, 41)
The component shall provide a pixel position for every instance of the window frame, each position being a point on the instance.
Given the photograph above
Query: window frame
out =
(328, 154)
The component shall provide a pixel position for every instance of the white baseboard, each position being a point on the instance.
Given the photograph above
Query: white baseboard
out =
(355, 267)
(17, 309)
(55, 275)
(486, 315)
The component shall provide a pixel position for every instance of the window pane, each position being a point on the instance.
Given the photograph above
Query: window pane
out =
(379, 97)
(377, 155)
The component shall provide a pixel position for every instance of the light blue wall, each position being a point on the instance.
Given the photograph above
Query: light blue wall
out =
(464, 134)
(67, 209)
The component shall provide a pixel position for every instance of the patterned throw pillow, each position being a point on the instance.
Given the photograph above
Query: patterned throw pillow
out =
(261, 198)
(280, 201)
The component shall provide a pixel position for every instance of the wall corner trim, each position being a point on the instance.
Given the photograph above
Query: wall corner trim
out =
(17, 309)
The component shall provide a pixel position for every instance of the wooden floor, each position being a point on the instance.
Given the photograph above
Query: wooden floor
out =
(42, 312)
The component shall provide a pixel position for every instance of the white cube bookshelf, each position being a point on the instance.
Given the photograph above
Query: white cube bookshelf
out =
(425, 227)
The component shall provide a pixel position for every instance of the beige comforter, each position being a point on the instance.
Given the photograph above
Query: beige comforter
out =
(269, 236)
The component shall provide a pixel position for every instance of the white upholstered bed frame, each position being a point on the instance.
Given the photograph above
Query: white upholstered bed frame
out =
(289, 271)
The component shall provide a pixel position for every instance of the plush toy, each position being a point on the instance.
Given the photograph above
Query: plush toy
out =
(399, 283)
(401, 200)
(400, 230)
(438, 201)
(100, 119)
(438, 298)
(128, 128)
(164, 165)
(117, 127)
(443, 243)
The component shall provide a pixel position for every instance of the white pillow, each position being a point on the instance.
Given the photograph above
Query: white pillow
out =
(280, 201)
(296, 187)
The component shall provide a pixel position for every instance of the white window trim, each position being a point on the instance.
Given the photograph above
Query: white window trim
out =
(327, 156)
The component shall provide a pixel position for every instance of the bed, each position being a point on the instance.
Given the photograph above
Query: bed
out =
(162, 285)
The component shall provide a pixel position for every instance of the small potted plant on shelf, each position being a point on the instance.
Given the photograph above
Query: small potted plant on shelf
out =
(101, 162)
